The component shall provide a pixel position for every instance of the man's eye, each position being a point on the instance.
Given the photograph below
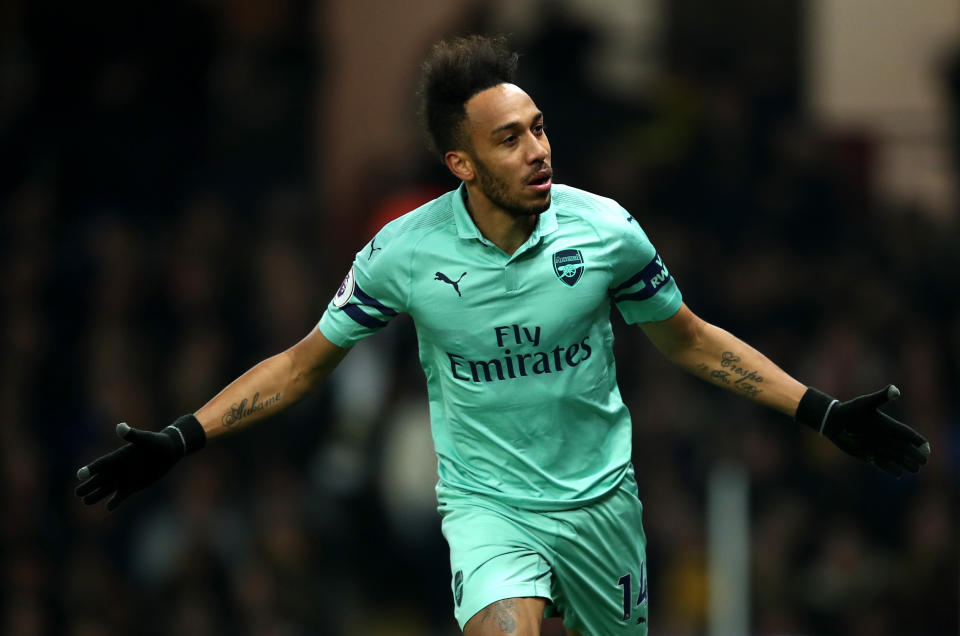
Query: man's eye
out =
(509, 140)
(538, 129)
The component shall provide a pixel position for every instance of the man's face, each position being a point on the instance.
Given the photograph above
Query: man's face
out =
(510, 152)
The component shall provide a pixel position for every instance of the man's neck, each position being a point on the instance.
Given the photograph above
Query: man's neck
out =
(506, 231)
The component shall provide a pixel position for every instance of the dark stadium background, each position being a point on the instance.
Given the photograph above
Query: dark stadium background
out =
(182, 187)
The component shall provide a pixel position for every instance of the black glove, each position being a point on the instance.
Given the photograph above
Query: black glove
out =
(144, 459)
(858, 427)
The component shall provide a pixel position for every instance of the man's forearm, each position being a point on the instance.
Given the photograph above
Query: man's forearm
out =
(264, 390)
(721, 358)
(856, 426)
(271, 386)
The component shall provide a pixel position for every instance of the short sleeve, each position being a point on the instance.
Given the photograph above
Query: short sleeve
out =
(642, 287)
(372, 293)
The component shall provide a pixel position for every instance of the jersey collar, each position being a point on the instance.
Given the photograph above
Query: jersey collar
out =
(467, 229)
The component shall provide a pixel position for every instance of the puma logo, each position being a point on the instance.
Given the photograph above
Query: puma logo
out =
(372, 249)
(456, 284)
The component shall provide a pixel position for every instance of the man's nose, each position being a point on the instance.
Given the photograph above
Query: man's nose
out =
(538, 151)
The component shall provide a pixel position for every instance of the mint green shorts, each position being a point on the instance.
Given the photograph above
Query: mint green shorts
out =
(589, 562)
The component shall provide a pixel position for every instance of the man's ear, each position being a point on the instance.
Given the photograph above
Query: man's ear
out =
(460, 164)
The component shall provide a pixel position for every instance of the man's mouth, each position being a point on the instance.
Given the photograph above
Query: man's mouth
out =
(541, 180)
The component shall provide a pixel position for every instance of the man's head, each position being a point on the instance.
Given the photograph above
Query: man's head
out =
(488, 131)
(454, 71)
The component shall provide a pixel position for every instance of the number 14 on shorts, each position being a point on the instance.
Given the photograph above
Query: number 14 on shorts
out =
(626, 583)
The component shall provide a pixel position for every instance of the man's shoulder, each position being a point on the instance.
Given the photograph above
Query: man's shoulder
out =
(594, 209)
(566, 196)
(410, 228)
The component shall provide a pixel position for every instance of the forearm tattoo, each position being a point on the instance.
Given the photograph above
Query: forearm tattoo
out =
(242, 410)
(504, 613)
(729, 372)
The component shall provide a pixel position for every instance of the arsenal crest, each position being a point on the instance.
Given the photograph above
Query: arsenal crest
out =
(568, 266)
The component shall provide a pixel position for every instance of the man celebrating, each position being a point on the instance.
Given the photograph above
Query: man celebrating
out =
(509, 280)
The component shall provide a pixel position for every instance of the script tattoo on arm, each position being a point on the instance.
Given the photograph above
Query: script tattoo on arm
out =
(732, 374)
(242, 410)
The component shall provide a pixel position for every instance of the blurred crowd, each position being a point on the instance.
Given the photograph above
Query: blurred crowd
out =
(161, 231)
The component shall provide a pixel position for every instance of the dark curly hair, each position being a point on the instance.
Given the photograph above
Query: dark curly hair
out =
(453, 72)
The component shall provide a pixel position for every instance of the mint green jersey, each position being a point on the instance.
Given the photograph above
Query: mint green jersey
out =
(517, 349)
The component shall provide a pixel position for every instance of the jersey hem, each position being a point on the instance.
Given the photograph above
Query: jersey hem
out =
(447, 492)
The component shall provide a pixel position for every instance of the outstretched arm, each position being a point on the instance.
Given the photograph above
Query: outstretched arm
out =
(264, 390)
(857, 426)
(719, 357)
(272, 385)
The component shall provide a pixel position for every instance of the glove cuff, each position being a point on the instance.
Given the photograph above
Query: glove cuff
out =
(187, 431)
(814, 408)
